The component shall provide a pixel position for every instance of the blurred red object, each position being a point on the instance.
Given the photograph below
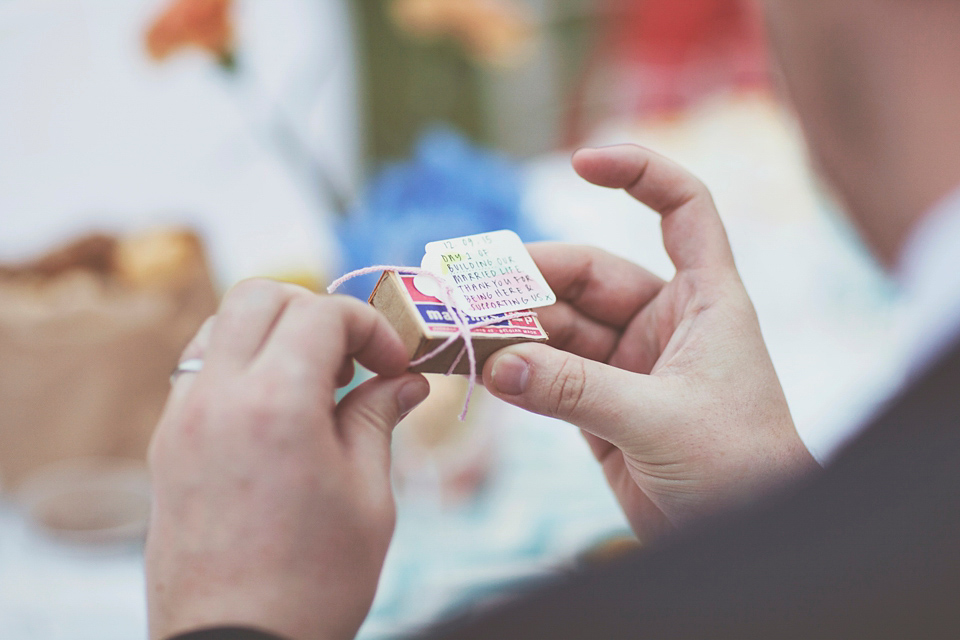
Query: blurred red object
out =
(675, 52)
(204, 24)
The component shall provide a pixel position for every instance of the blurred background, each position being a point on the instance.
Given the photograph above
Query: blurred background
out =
(154, 152)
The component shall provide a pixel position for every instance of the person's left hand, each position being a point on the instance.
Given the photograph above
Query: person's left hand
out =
(670, 382)
(273, 506)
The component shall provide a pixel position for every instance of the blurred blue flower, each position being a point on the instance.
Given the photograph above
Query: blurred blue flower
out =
(448, 189)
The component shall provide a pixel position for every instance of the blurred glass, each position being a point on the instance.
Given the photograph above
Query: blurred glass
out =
(89, 500)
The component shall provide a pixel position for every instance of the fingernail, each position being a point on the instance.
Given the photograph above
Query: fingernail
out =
(510, 374)
(411, 395)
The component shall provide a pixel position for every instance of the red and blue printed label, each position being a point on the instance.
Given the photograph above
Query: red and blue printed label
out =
(438, 319)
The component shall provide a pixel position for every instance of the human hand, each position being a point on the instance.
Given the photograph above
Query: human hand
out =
(670, 382)
(273, 506)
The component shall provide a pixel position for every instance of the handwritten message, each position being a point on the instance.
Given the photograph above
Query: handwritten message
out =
(490, 273)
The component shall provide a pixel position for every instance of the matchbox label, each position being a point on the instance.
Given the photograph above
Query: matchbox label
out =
(438, 319)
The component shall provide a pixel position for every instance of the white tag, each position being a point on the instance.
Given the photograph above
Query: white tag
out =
(490, 273)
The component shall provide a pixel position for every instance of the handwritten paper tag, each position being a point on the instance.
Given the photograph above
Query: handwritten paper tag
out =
(490, 273)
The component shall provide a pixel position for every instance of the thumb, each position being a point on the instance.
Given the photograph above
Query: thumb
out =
(600, 399)
(367, 415)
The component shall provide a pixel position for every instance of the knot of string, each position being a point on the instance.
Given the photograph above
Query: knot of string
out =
(464, 328)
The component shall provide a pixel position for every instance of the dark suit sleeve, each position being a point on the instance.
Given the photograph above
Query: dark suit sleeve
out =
(227, 633)
(869, 549)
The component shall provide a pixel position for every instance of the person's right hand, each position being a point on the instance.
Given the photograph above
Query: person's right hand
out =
(670, 381)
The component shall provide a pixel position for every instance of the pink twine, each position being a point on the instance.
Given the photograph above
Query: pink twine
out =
(463, 329)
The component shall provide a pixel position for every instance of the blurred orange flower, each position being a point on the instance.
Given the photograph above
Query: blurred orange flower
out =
(492, 31)
(204, 24)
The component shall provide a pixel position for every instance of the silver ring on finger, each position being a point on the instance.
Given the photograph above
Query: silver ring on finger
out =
(193, 365)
